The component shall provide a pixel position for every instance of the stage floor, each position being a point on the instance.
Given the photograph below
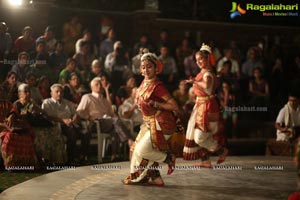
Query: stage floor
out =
(244, 178)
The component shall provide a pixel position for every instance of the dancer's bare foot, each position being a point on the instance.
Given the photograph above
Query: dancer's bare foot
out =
(171, 164)
(157, 182)
(223, 156)
(204, 164)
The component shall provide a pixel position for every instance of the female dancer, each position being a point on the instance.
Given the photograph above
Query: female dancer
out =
(203, 135)
(151, 147)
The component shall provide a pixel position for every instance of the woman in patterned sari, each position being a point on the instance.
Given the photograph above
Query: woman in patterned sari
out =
(48, 142)
(204, 132)
(151, 147)
(17, 137)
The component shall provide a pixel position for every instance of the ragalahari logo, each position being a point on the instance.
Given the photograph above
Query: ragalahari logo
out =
(236, 10)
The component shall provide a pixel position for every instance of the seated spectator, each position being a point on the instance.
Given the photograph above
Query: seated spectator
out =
(235, 68)
(41, 66)
(44, 87)
(107, 45)
(259, 89)
(17, 138)
(288, 129)
(110, 59)
(191, 68)
(288, 120)
(35, 94)
(142, 43)
(227, 101)
(58, 58)
(25, 42)
(65, 73)
(73, 90)
(164, 41)
(49, 39)
(225, 75)
(125, 90)
(94, 106)
(136, 63)
(5, 51)
(96, 71)
(84, 58)
(182, 51)
(87, 37)
(9, 88)
(48, 141)
(71, 32)
(5, 41)
(117, 65)
(22, 67)
(129, 110)
(169, 73)
(252, 61)
(64, 112)
(181, 95)
(107, 89)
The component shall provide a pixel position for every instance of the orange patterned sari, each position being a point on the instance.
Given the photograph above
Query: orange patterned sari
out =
(205, 110)
(159, 122)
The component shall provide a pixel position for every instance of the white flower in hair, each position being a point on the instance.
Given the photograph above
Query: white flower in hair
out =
(205, 47)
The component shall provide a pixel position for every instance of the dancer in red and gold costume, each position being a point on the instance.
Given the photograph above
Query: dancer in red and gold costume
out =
(151, 146)
(204, 132)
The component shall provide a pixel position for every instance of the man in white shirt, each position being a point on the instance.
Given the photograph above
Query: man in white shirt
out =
(64, 112)
(288, 120)
(94, 106)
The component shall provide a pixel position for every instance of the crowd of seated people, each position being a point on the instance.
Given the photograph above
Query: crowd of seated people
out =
(65, 76)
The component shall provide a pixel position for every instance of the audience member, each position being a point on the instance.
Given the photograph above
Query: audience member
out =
(65, 73)
(142, 43)
(227, 100)
(71, 32)
(48, 141)
(84, 58)
(17, 138)
(22, 67)
(182, 51)
(9, 88)
(288, 120)
(31, 80)
(259, 89)
(96, 71)
(58, 58)
(107, 45)
(190, 67)
(74, 90)
(252, 61)
(44, 87)
(181, 95)
(129, 110)
(5, 41)
(49, 39)
(25, 42)
(94, 106)
(169, 73)
(235, 68)
(64, 112)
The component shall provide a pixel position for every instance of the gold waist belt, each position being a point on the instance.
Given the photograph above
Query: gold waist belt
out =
(205, 98)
